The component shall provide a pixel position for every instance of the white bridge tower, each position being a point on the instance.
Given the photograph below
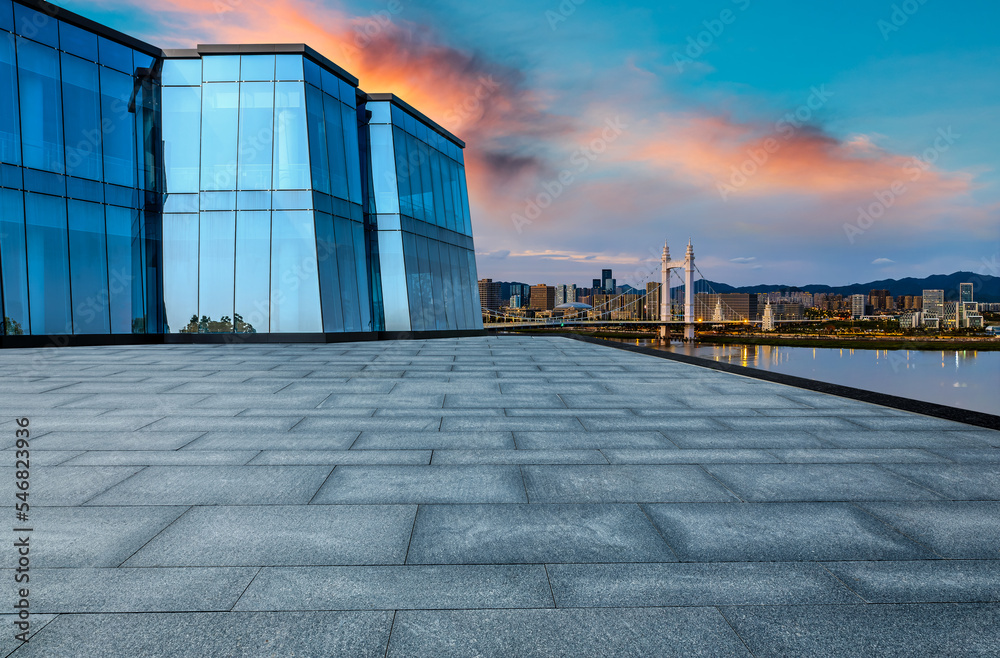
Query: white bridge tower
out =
(665, 266)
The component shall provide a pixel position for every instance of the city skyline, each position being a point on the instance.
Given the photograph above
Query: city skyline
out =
(633, 120)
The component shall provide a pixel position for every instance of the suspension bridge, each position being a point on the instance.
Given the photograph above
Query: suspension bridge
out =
(618, 310)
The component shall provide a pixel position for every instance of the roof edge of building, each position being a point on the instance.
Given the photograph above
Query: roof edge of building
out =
(57, 12)
(271, 49)
(423, 118)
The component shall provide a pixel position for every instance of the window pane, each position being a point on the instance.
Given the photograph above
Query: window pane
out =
(181, 138)
(393, 276)
(36, 25)
(124, 271)
(312, 73)
(6, 16)
(13, 259)
(115, 55)
(253, 255)
(464, 198)
(180, 265)
(427, 291)
(41, 106)
(380, 112)
(256, 117)
(88, 258)
(294, 282)
(219, 125)
(353, 153)
(439, 217)
(413, 289)
(361, 276)
(119, 149)
(288, 67)
(291, 143)
(399, 140)
(216, 271)
(82, 112)
(319, 161)
(335, 149)
(257, 67)
(348, 274)
(220, 68)
(383, 170)
(181, 72)
(78, 41)
(48, 265)
(448, 192)
(10, 128)
(329, 277)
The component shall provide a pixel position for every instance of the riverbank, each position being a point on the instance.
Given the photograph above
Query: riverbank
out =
(835, 342)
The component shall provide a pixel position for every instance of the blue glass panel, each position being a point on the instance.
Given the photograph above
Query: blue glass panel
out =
(14, 263)
(181, 203)
(319, 160)
(348, 94)
(291, 138)
(88, 259)
(180, 267)
(124, 268)
(427, 182)
(181, 138)
(85, 190)
(399, 140)
(414, 289)
(427, 292)
(380, 112)
(350, 118)
(36, 26)
(10, 125)
(181, 72)
(448, 192)
(329, 278)
(439, 217)
(348, 274)
(295, 304)
(398, 116)
(115, 55)
(48, 265)
(472, 309)
(360, 278)
(119, 137)
(41, 106)
(256, 132)
(44, 182)
(216, 271)
(331, 83)
(253, 255)
(121, 196)
(260, 200)
(458, 301)
(335, 149)
(220, 68)
(409, 123)
(10, 176)
(392, 273)
(420, 182)
(288, 67)
(6, 16)
(442, 292)
(257, 67)
(291, 200)
(383, 169)
(141, 60)
(82, 122)
(218, 201)
(219, 124)
(312, 72)
(78, 41)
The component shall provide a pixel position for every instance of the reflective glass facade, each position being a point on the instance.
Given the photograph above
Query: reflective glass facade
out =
(224, 190)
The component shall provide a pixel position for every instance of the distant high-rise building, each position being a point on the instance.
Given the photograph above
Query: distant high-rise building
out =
(543, 297)
(768, 319)
(933, 301)
(565, 294)
(606, 282)
(857, 306)
(515, 301)
(489, 294)
(597, 287)
(965, 292)
(878, 300)
(653, 300)
(736, 306)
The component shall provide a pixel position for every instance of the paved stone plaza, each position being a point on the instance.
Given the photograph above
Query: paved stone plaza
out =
(502, 496)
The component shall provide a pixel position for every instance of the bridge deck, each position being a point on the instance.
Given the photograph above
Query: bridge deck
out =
(488, 496)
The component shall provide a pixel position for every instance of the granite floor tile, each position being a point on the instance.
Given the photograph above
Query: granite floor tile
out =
(398, 588)
(869, 630)
(380, 440)
(64, 486)
(881, 439)
(622, 484)
(973, 455)
(685, 456)
(533, 534)
(443, 457)
(925, 581)
(335, 457)
(580, 440)
(223, 424)
(779, 532)
(473, 423)
(114, 440)
(156, 635)
(217, 485)
(954, 481)
(594, 633)
(857, 456)
(953, 529)
(319, 440)
(665, 424)
(158, 457)
(793, 424)
(390, 485)
(727, 439)
(138, 590)
(688, 584)
(296, 535)
(406, 423)
(816, 482)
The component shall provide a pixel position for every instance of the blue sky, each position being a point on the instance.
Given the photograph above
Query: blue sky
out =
(837, 199)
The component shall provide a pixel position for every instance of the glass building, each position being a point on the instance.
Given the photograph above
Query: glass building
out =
(150, 195)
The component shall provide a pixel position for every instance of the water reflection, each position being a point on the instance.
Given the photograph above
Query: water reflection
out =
(968, 379)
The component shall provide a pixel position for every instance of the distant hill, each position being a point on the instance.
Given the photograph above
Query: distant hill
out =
(986, 288)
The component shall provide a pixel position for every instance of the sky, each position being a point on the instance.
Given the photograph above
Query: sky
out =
(792, 143)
